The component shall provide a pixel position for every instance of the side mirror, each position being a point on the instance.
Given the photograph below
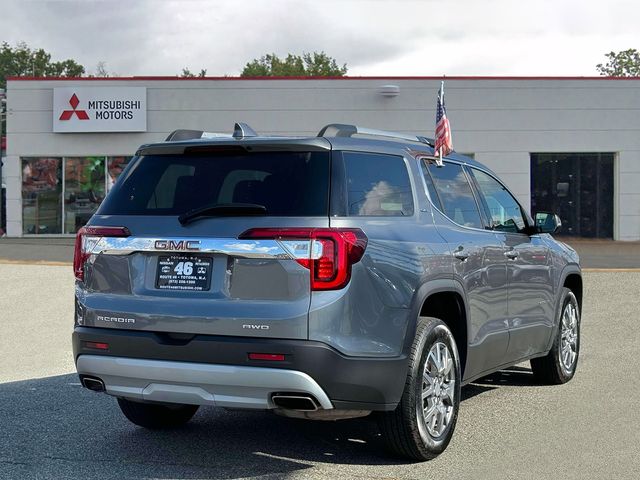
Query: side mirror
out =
(547, 222)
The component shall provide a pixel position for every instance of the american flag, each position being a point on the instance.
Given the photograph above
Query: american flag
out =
(444, 143)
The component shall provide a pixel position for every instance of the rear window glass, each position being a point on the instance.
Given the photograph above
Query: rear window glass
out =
(376, 185)
(286, 183)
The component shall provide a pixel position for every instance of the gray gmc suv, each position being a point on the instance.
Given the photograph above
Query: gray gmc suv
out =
(324, 278)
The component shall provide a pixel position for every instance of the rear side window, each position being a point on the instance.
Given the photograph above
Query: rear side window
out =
(453, 194)
(286, 183)
(375, 185)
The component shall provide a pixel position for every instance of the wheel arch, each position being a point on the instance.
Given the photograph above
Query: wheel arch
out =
(573, 281)
(571, 278)
(443, 299)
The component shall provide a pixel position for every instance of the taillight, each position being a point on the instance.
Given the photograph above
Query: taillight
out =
(328, 253)
(86, 238)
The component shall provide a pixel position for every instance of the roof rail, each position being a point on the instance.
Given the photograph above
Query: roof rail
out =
(343, 130)
(240, 131)
(183, 135)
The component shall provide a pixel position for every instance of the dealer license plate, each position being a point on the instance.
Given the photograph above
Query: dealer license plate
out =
(184, 272)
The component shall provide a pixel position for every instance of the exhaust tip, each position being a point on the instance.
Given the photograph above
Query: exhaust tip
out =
(92, 383)
(299, 402)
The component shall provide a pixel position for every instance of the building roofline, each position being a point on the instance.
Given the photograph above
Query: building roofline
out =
(165, 78)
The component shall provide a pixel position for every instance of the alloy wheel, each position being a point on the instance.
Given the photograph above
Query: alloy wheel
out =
(438, 389)
(568, 351)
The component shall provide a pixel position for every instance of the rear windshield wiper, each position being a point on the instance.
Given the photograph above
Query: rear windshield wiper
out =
(221, 210)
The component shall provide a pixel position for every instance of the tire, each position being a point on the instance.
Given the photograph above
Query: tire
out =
(156, 416)
(405, 431)
(559, 366)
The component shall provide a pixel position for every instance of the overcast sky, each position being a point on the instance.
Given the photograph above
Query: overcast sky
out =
(373, 37)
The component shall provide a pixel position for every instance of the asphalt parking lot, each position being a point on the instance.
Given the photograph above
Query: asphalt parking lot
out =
(509, 427)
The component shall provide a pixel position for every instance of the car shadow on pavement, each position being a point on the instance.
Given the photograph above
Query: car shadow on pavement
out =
(53, 428)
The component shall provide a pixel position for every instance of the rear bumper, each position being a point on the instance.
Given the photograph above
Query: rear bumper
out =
(214, 367)
(197, 383)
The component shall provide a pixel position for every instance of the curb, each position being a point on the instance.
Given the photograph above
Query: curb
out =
(7, 261)
(595, 270)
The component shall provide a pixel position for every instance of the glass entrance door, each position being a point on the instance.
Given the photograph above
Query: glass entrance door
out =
(578, 187)
(41, 195)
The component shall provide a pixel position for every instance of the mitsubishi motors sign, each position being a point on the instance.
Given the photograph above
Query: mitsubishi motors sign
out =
(99, 109)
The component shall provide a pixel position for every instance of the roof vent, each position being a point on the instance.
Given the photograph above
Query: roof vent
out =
(389, 90)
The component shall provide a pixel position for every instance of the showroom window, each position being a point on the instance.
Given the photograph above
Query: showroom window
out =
(59, 194)
(579, 188)
(115, 165)
(84, 188)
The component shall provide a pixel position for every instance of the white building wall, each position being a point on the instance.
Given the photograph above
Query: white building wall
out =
(501, 121)
(628, 195)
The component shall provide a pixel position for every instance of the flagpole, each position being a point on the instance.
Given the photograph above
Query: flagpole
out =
(440, 149)
(440, 163)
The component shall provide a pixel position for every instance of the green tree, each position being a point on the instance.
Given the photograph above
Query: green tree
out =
(308, 65)
(621, 64)
(21, 60)
(186, 73)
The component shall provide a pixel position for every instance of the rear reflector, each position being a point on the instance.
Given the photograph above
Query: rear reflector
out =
(340, 248)
(270, 357)
(82, 250)
(97, 345)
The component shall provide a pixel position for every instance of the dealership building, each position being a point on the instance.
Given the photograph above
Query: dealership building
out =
(569, 145)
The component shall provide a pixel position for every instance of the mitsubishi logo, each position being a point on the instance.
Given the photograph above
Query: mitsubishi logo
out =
(67, 114)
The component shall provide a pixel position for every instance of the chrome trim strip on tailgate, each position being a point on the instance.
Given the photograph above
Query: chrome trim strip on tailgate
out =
(198, 383)
(278, 249)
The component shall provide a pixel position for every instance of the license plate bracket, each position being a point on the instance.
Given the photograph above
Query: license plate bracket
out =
(184, 272)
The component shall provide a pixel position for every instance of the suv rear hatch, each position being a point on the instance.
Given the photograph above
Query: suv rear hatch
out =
(209, 239)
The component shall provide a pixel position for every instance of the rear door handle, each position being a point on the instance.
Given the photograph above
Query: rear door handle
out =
(511, 254)
(460, 254)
